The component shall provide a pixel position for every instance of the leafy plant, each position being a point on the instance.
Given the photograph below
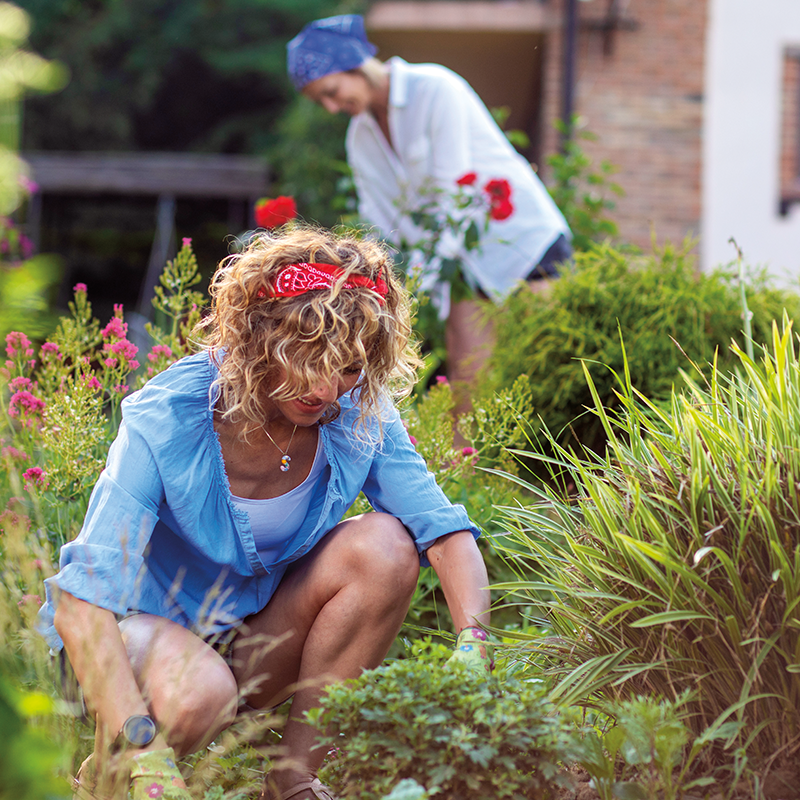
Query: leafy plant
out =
(670, 316)
(676, 564)
(454, 736)
(583, 194)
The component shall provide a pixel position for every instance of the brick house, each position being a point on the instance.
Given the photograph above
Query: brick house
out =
(696, 101)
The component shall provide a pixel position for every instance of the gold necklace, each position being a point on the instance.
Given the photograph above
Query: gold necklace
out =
(285, 457)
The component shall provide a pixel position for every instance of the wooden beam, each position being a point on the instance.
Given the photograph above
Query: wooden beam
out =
(178, 174)
(468, 15)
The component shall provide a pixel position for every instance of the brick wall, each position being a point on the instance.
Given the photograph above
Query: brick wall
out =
(640, 91)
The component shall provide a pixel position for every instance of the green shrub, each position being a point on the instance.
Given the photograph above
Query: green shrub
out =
(450, 733)
(676, 565)
(664, 312)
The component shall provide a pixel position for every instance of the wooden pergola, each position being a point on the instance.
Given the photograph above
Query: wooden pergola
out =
(166, 177)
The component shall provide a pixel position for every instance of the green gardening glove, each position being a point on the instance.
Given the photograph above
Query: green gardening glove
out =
(155, 776)
(474, 650)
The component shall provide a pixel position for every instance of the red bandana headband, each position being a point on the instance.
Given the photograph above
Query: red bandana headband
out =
(297, 279)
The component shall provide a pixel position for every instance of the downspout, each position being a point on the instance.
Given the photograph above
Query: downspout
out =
(570, 54)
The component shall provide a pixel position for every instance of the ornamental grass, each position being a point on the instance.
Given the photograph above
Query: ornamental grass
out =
(673, 561)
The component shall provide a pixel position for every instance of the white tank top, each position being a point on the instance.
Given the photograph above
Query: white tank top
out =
(275, 520)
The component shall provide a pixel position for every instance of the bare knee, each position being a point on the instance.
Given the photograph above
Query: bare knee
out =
(193, 714)
(383, 549)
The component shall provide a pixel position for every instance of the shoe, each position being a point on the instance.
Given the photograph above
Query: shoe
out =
(318, 789)
(84, 784)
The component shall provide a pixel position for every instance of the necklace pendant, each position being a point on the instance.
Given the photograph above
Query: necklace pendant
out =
(285, 459)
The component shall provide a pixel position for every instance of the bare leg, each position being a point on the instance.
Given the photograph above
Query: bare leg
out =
(188, 687)
(469, 338)
(335, 613)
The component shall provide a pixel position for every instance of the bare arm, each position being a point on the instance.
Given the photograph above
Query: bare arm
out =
(97, 653)
(459, 564)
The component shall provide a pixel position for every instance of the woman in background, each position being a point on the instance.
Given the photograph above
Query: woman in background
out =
(414, 126)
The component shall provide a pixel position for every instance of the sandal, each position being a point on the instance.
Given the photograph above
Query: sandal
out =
(318, 789)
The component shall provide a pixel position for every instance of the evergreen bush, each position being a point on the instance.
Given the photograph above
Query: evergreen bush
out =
(663, 311)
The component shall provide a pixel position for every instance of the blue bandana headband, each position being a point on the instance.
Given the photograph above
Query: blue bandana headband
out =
(325, 46)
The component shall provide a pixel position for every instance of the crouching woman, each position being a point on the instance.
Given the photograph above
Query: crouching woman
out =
(217, 524)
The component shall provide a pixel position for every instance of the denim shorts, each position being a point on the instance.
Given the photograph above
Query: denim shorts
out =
(560, 252)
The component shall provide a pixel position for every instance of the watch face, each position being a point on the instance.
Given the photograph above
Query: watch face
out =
(139, 730)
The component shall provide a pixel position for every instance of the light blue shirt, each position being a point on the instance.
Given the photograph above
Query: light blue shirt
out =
(162, 534)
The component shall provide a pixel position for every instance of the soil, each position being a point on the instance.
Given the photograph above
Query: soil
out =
(778, 784)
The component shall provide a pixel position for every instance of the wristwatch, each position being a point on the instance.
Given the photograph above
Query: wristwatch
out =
(137, 731)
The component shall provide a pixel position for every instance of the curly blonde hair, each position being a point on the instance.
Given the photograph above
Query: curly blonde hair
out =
(280, 348)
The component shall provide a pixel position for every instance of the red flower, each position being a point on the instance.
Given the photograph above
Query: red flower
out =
(467, 179)
(272, 213)
(501, 210)
(498, 189)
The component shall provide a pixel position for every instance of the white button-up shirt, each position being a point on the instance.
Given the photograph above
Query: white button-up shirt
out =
(441, 130)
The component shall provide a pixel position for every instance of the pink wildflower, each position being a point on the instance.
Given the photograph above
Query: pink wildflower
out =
(412, 439)
(159, 350)
(121, 388)
(50, 347)
(34, 476)
(442, 380)
(13, 454)
(187, 242)
(116, 328)
(37, 563)
(18, 344)
(468, 451)
(79, 288)
(30, 598)
(24, 402)
(92, 382)
(110, 362)
(19, 383)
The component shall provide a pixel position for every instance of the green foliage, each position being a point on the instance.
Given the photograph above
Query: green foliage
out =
(454, 735)
(583, 194)
(676, 565)
(155, 75)
(29, 758)
(665, 313)
(310, 162)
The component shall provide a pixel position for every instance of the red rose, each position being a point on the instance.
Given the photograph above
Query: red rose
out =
(272, 213)
(467, 179)
(498, 189)
(501, 210)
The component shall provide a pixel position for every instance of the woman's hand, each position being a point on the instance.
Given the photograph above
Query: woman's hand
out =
(474, 651)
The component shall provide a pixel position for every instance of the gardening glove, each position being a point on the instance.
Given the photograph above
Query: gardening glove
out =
(474, 650)
(154, 774)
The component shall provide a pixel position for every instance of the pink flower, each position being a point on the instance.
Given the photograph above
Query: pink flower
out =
(37, 563)
(116, 328)
(412, 439)
(24, 402)
(122, 348)
(157, 351)
(468, 179)
(155, 790)
(121, 388)
(13, 454)
(110, 362)
(468, 451)
(34, 476)
(79, 288)
(30, 598)
(20, 383)
(442, 381)
(92, 382)
(50, 347)
(186, 241)
(18, 344)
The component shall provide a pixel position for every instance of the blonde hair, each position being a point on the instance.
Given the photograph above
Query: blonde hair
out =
(280, 348)
(374, 70)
